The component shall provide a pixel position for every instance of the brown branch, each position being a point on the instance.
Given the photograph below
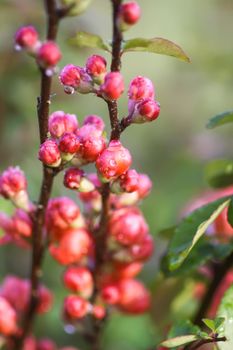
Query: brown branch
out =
(219, 274)
(197, 344)
(38, 241)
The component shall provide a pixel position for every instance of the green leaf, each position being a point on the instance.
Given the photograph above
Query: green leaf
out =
(178, 341)
(156, 45)
(230, 213)
(203, 252)
(215, 324)
(220, 119)
(226, 310)
(219, 173)
(191, 229)
(83, 39)
(167, 233)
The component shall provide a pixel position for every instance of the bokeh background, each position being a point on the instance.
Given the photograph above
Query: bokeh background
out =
(173, 150)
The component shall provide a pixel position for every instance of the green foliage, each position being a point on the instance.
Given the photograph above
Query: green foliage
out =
(84, 39)
(191, 229)
(156, 45)
(219, 173)
(77, 7)
(178, 341)
(220, 119)
(226, 310)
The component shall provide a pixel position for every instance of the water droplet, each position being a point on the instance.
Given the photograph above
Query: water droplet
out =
(112, 162)
(18, 47)
(69, 329)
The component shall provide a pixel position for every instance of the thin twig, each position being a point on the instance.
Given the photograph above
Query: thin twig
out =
(219, 274)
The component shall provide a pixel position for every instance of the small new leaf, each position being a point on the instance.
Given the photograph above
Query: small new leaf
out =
(215, 324)
(84, 39)
(219, 173)
(220, 119)
(178, 341)
(226, 310)
(156, 45)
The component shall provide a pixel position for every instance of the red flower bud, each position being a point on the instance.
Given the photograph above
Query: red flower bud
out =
(8, 316)
(127, 270)
(61, 213)
(127, 182)
(69, 143)
(26, 38)
(45, 300)
(146, 111)
(110, 294)
(140, 88)
(30, 343)
(70, 78)
(114, 161)
(127, 226)
(49, 153)
(79, 280)
(96, 67)
(92, 143)
(99, 312)
(75, 307)
(74, 245)
(48, 54)
(143, 250)
(130, 12)
(61, 123)
(134, 297)
(74, 179)
(113, 86)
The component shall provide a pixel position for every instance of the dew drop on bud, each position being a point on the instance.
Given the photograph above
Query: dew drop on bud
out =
(69, 329)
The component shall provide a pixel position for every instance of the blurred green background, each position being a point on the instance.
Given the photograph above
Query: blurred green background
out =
(173, 150)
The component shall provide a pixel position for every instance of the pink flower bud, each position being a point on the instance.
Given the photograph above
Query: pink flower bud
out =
(92, 143)
(127, 270)
(61, 214)
(128, 182)
(8, 318)
(26, 38)
(11, 288)
(95, 121)
(146, 111)
(73, 247)
(145, 185)
(70, 78)
(130, 12)
(140, 88)
(134, 297)
(79, 280)
(69, 143)
(75, 307)
(48, 54)
(96, 68)
(30, 343)
(46, 344)
(113, 86)
(114, 161)
(12, 182)
(127, 226)
(49, 153)
(61, 122)
(45, 300)
(74, 179)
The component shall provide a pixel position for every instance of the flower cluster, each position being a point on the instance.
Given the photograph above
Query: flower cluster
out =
(47, 54)
(13, 307)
